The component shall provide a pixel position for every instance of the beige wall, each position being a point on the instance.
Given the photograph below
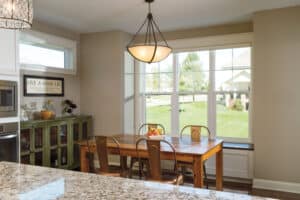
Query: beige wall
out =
(72, 82)
(276, 103)
(102, 86)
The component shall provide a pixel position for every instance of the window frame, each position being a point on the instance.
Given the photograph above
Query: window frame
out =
(52, 42)
(201, 44)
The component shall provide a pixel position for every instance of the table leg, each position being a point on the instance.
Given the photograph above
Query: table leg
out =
(219, 170)
(84, 163)
(198, 171)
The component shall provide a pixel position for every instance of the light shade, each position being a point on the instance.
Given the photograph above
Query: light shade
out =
(148, 53)
(155, 47)
(16, 14)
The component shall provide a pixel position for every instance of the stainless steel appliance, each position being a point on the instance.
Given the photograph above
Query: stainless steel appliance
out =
(9, 142)
(8, 99)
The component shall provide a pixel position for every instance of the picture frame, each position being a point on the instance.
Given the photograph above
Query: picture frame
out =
(35, 86)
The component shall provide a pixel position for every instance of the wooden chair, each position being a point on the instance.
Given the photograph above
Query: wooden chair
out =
(105, 169)
(195, 133)
(144, 161)
(155, 170)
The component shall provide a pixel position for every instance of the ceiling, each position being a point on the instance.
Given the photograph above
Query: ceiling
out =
(84, 16)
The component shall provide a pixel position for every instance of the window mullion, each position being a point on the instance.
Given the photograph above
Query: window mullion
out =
(140, 95)
(211, 115)
(175, 103)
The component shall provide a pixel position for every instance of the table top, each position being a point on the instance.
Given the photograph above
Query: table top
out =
(18, 181)
(183, 145)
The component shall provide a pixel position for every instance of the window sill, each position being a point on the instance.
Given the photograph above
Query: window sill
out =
(238, 146)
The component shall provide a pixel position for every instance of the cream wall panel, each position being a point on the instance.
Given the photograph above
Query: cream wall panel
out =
(102, 80)
(276, 96)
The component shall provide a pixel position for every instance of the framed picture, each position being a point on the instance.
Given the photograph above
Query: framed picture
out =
(43, 86)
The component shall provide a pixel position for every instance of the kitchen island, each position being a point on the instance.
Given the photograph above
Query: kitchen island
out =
(24, 182)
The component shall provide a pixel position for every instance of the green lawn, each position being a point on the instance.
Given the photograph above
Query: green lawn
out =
(230, 123)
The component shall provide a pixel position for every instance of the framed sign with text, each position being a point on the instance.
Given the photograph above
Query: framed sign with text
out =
(43, 86)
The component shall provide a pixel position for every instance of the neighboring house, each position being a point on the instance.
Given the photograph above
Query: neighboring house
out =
(239, 82)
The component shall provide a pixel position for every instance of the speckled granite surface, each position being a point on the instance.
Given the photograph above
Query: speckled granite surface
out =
(37, 183)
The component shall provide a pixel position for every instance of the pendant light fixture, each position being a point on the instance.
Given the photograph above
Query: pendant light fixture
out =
(154, 47)
(16, 14)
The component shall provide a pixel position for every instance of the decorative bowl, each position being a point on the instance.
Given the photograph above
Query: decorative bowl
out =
(46, 114)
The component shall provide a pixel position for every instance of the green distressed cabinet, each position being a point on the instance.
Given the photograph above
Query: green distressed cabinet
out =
(54, 143)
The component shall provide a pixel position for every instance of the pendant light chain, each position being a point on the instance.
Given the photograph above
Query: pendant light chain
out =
(149, 7)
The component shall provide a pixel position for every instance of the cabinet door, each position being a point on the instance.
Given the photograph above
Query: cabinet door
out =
(63, 134)
(76, 138)
(85, 130)
(26, 146)
(8, 52)
(54, 134)
(25, 140)
(63, 145)
(64, 156)
(39, 133)
(54, 158)
(25, 159)
(75, 131)
(38, 158)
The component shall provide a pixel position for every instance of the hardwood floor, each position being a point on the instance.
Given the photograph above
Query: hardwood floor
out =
(275, 194)
(241, 188)
(246, 188)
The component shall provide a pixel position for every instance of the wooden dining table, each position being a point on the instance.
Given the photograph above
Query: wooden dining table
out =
(186, 150)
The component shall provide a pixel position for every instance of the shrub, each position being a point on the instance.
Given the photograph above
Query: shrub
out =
(237, 105)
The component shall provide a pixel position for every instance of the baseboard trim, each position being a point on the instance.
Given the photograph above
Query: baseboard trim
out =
(276, 185)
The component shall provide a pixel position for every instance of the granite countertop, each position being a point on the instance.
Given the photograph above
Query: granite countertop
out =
(24, 182)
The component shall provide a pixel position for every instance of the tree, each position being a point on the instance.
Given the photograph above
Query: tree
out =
(192, 77)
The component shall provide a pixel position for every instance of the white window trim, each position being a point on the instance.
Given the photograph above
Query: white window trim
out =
(55, 41)
(198, 44)
(212, 42)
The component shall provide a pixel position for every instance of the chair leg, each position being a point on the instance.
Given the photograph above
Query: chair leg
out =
(205, 175)
(148, 169)
(141, 167)
(183, 170)
(131, 167)
(90, 157)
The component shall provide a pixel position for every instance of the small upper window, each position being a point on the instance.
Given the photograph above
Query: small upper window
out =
(43, 52)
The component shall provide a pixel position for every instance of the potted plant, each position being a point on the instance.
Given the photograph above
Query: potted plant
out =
(69, 107)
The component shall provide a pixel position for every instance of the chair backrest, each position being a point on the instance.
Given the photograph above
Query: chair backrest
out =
(195, 131)
(153, 149)
(148, 126)
(101, 144)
